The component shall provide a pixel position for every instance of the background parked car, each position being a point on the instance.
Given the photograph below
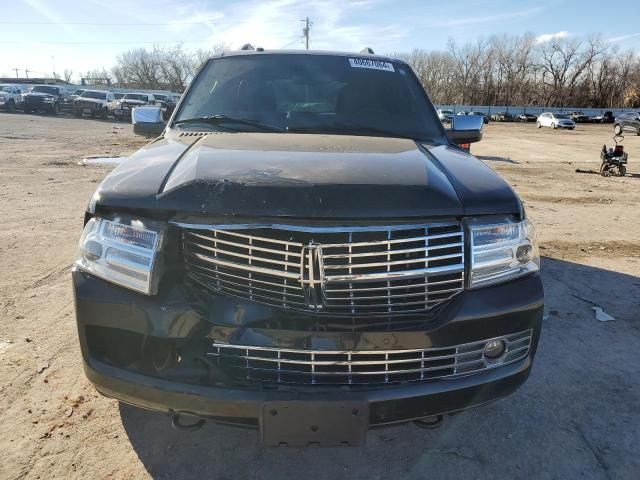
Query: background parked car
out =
(131, 101)
(555, 120)
(527, 117)
(485, 119)
(577, 117)
(167, 103)
(96, 103)
(628, 121)
(444, 115)
(48, 98)
(10, 97)
(502, 117)
(606, 117)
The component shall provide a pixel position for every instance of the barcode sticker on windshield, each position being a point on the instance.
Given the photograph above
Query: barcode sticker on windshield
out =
(370, 63)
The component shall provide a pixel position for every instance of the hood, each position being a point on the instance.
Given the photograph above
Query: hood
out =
(133, 102)
(305, 176)
(41, 94)
(90, 100)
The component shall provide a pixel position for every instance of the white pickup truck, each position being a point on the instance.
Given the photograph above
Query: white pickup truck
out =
(10, 96)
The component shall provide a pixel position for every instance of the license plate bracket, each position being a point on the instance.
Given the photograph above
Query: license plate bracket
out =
(323, 423)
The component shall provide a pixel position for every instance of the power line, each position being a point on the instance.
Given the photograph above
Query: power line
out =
(291, 43)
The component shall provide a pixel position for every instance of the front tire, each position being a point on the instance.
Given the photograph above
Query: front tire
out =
(538, 124)
(617, 129)
(11, 107)
(553, 125)
(623, 170)
(55, 110)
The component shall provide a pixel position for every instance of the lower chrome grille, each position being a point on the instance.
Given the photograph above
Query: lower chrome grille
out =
(325, 367)
(346, 271)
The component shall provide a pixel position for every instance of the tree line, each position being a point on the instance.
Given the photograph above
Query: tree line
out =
(521, 70)
(500, 70)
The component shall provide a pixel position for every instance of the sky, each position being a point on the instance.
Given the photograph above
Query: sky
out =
(44, 36)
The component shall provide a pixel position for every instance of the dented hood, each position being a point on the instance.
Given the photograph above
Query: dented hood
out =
(305, 176)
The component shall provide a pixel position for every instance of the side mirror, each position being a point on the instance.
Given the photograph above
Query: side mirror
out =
(465, 129)
(147, 121)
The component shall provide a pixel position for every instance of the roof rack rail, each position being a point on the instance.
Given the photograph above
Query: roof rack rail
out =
(368, 50)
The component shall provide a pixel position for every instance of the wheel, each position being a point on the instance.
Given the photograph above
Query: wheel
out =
(105, 113)
(622, 170)
(11, 107)
(617, 129)
(553, 125)
(77, 112)
(55, 109)
(538, 124)
(571, 128)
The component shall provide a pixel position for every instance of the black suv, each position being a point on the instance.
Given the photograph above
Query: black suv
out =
(628, 121)
(48, 98)
(304, 251)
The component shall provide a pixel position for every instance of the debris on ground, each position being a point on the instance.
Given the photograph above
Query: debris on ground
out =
(42, 367)
(102, 160)
(601, 315)
(4, 345)
(68, 412)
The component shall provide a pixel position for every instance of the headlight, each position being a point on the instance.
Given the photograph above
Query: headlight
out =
(502, 251)
(122, 253)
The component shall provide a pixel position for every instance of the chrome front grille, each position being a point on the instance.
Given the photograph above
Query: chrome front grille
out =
(324, 367)
(87, 105)
(350, 271)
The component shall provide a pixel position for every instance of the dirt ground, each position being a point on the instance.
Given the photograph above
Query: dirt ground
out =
(576, 417)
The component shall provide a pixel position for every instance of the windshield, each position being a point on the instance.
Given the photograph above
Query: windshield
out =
(5, 89)
(560, 115)
(314, 93)
(160, 97)
(45, 89)
(96, 95)
(446, 112)
(78, 92)
(136, 96)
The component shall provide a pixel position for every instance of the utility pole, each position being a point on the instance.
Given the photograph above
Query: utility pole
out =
(26, 73)
(16, 69)
(306, 30)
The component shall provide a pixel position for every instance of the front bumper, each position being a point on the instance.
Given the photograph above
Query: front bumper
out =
(110, 316)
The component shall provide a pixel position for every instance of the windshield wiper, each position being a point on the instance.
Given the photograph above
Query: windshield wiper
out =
(348, 129)
(219, 119)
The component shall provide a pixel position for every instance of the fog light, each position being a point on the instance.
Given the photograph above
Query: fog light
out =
(524, 253)
(494, 349)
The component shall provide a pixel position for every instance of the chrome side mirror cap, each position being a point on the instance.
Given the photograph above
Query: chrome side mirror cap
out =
(147, 121)
(465, 129)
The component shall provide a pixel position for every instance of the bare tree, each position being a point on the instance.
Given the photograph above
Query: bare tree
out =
(67, 75)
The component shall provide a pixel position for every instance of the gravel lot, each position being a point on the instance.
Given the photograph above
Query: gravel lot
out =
(577, 416)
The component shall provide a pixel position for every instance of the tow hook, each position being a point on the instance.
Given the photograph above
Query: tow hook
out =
(434, 421)
(178, 425)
